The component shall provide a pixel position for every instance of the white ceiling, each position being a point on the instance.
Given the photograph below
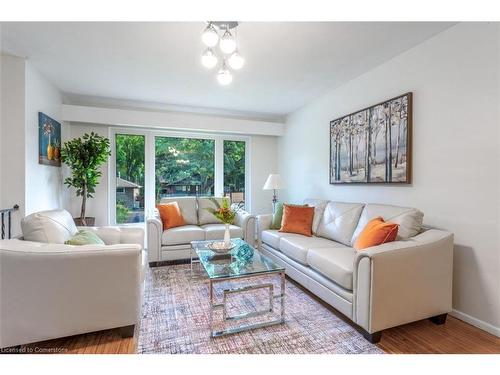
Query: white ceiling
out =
(287, 63)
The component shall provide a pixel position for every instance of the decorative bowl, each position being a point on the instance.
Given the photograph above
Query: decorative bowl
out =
(220, 248)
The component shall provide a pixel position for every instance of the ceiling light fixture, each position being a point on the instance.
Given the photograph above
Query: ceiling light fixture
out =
(228, 45)
(209, 59)
(224, 76)
(210, 36)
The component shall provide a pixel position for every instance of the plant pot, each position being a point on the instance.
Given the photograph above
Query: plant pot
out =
(90, 221)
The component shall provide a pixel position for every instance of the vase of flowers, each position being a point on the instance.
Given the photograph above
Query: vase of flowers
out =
(224, 213)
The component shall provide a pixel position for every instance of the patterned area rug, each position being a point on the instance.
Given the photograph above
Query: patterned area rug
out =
(176, 319)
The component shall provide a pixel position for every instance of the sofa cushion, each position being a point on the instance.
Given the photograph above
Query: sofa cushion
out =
(297, 220)
(85, 237)
(273, 237)
(337, 264)
(187, 205)
(216, 231)
(297, 247)
(339, 221)
(376, 232)
(55, 226)
(170, 215)
(205, 217)
(182, 235)
(409, 219)
(319, 208)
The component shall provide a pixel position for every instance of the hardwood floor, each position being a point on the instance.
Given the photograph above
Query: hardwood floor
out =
(423, 337)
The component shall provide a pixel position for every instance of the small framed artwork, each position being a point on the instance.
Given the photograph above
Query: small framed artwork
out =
(373, 145)
(49, 141)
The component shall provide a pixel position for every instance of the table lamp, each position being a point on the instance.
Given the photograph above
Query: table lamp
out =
(274, 182)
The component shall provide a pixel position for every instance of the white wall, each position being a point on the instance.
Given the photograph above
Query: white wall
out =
(455, 80)
(264, 160)
(44, 184)
(263, 154)
(12, 136)
(23, 181)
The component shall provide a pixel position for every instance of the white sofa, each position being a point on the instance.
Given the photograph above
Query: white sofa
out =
(379, 287)
(51, 290)
(175, 243)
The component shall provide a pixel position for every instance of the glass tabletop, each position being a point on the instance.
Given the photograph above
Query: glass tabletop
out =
(242, 260)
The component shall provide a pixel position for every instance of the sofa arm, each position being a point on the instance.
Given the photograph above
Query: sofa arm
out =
(263, 223)
(112, 235)
(246, 221)
(403, 281)
(154, 233)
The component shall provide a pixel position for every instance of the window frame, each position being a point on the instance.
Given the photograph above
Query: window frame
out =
(150, 164)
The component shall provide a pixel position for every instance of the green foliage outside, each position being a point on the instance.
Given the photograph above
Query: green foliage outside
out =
(130, 158)
(84, 156)
(181, 161)
(185, 161)
(121, 213)
(234, 166)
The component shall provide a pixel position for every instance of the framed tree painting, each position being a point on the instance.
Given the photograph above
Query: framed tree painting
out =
(373, 145)
(49, 140)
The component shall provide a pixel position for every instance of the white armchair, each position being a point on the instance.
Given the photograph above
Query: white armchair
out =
(52, 290)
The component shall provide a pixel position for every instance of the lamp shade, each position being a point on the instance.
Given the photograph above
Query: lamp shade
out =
(274, 182)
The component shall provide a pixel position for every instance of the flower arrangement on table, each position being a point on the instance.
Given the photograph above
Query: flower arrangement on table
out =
(224, 213)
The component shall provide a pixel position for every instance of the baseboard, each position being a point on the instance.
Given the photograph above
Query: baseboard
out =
(476, 322)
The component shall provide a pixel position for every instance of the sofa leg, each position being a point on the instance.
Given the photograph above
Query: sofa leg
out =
(439, 319)
(372, 337)
(127, 331)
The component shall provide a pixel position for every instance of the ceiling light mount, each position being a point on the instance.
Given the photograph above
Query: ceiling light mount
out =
(224, 34)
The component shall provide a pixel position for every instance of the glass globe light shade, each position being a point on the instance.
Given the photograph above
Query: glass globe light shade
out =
(210, 36)
(209, 59)
(227, 43)
(236, 61)
(224, 76)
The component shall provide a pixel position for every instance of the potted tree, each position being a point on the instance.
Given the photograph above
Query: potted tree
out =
(84, 156)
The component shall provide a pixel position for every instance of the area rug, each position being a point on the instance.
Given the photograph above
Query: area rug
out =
(176, 320)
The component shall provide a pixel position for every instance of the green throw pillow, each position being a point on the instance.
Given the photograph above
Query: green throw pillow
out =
(85, 237)
(278, 214)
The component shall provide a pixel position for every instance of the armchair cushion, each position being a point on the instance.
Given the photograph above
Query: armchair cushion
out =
(55, 226)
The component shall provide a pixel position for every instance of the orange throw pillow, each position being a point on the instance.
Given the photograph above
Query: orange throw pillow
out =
(170, 214)
(297, 219)
(376, 232)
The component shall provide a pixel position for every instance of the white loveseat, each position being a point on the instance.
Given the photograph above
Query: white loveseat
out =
(379, 287)
(50, 290)
(175, 243)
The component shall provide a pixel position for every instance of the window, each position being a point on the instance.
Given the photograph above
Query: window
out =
(129, 178)
(184, 167)
(150, 165)
(234, 171)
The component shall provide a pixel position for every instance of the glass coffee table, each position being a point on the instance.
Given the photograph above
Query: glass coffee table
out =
(243, 262)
